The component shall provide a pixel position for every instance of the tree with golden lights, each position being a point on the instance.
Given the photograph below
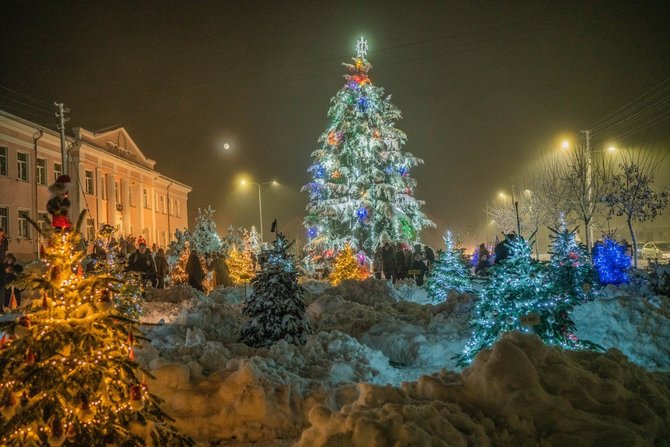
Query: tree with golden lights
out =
(67, 371)
(345, 266)
(241, 266)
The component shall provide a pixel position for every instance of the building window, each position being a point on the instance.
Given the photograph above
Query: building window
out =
(4, 219)
(163, 210)
(90, 229)
(58, 170)
(103, 186)
(24, 224)
(43, 221)
(22, 163)
(145, 198)
(163, 239)
(3, 160)
(130, 196)
(41, 171)
(89, 182)
(117, 192)
(178, 208)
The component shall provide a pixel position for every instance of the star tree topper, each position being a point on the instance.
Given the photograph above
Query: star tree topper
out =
(361, 48)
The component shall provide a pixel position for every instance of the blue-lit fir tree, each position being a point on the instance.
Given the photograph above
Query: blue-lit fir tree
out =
(449, 273)
(276, 308)
(361, 183)
(571, 274)
(611, 261)
(519, 298)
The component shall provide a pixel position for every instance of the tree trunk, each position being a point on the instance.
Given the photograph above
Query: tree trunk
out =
(629, 221)
(587, 237)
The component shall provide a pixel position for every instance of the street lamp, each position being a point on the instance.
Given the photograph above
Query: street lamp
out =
(260, 200)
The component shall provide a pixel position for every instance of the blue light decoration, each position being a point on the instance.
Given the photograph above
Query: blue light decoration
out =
(363, 103)
(389, 169)
(611, 262)
(475, 257)
(362, 213)
(353, 85)
(318, 170)
(312, 232)
(402, 170)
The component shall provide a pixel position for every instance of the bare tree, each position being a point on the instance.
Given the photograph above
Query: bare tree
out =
(632, 194)
(583, 181)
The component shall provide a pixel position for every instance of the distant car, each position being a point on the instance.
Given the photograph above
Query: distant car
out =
(638, 248)
(658, 250)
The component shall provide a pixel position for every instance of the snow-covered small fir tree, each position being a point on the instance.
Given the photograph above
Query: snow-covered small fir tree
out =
(204, 238)
(449, 273)
(519, 298)
(571, 273)
(68, 375)
(276, 308)
(345, 266)
(611, 261)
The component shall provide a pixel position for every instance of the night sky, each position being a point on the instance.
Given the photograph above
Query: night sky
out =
(486, 88)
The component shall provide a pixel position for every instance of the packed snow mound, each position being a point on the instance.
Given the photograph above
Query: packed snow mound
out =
(638, 326)
(520, 392)
(355, 306)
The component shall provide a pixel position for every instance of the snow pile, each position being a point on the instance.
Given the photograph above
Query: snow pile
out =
(519, 393)
(638, 326)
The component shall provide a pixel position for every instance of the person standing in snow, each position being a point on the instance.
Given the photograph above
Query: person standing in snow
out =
(221, 272)
(483, 263)
(419, 265)
(377, 263)
(430, 257)
(142, 262)
(400, 263)
(502, 250)
(388, 261)
(195, 272)
(162, 268)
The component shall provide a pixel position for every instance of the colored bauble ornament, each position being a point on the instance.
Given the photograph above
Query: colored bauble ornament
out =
(376, 134)
(13, 304)
(333, 139)
(136, 400)
(22, 329)
(30, 357)
(131, 354)
(4, 341)
(336, 175)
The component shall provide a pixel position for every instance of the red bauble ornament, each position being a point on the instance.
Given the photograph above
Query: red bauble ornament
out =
(30, 357)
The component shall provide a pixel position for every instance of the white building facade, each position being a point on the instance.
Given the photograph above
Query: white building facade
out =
(110, 178)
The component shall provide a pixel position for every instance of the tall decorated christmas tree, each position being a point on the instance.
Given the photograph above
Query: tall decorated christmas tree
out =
(361, 185)
(571, 274)
(240, 265)
(449, 273)
(67, 374)
(276, 308)
(519, 297)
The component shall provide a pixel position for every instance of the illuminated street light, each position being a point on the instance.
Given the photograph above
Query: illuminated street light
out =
(565, 144)
(243, 182)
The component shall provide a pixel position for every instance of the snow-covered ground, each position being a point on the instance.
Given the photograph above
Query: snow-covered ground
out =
(378, 372)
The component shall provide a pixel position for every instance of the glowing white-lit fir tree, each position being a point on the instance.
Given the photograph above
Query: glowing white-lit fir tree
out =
(450, 272)
(276, 308)
(571, 274)
(361, 182)
(67, 374)
(519, 297)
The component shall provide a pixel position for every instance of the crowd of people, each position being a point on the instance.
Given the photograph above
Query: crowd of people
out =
(397, 261)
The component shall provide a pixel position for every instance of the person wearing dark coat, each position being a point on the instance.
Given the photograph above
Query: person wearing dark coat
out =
(502, 249)
(4, 244)
(142, 262)
(195, 272)
(388, 261)
(400, 263)
(162, 268)
(420, 265)
(221, 271)
(429, 256)
(483, 262)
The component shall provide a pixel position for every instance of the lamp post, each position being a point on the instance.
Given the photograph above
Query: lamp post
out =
(260, 200)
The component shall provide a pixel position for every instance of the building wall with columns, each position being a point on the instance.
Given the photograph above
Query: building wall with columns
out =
(111, 178)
